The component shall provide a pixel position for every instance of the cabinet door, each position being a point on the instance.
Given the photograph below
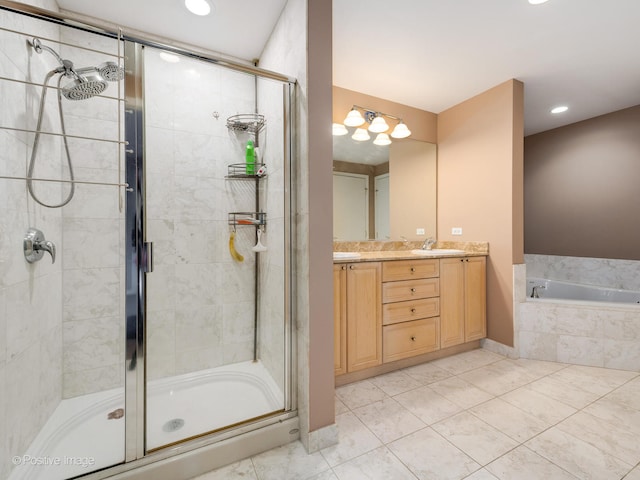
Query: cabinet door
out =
(475, 298)
(340, 318)
(364, 317)
(452, 302)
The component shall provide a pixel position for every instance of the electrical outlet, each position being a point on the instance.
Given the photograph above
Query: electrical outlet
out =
(419, 231)
(456, 231)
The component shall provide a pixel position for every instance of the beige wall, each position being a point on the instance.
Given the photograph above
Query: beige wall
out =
(581, 188)
(320, 227)
(423, 124)
(480, 189)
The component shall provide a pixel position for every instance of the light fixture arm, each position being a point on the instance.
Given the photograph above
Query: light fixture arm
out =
(371, 113)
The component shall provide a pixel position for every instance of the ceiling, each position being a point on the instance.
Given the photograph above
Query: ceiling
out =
(433, 54)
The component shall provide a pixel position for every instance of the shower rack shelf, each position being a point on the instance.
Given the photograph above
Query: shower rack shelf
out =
(247, 218)
(239, 171)
(246, 122)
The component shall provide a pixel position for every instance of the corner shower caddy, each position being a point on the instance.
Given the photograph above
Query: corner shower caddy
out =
(253, 124)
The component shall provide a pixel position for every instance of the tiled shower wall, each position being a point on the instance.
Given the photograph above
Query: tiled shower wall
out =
(30, 294)
(93, 249)
(201, 301)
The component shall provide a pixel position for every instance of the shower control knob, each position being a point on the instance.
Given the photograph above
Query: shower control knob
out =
(35, 245)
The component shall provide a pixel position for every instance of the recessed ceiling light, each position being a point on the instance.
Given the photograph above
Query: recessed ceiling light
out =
(169, 57)
(198, 7)
(537, 2)
(559, 109)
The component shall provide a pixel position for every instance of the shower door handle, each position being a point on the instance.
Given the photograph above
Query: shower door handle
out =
(146, 257)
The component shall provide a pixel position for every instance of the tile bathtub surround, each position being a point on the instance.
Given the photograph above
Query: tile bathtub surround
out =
(592, 271)
(580, 334)
(475, 416)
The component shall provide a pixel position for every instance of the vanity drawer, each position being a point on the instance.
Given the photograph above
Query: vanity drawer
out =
(410, 290)
(407, 339)
(410, 310)
(410, 269)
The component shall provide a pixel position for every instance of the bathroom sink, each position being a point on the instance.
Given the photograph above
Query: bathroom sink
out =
(345, 255)
(438, 251)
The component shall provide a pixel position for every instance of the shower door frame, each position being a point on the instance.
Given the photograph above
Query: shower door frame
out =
(138, 254)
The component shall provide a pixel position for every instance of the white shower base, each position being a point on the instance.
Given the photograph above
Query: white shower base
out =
(79, 438)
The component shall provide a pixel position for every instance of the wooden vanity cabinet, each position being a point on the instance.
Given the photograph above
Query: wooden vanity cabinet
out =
(357, 316)
(410, 309)
(339, 318)
(462, 300)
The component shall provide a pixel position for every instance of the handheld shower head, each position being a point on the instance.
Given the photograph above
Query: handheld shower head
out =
(84, 86)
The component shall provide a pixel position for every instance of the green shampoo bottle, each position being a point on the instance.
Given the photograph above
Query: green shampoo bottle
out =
(250, 159)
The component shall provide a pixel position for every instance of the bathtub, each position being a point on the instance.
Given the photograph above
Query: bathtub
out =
(556, 289)
(579, 324)
(79, 437)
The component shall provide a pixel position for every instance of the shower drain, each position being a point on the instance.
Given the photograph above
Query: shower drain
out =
(173, 425)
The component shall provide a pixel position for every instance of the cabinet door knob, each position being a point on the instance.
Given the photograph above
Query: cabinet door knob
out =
(343, 267)
(413, 338)
(351, 267)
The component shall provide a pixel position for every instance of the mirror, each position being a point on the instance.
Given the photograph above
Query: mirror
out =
(383, 192)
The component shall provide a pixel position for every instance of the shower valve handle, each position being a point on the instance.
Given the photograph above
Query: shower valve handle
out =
(35, 245)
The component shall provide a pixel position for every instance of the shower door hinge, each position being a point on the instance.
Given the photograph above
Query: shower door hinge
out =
(146, 257)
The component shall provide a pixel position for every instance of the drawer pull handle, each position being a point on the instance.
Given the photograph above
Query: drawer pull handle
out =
(413, 310)
(413, 338)
(413, 269)
(413, 290)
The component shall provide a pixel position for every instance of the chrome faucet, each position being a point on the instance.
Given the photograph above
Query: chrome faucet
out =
(35, 245)
(428, 243)
(534, 291)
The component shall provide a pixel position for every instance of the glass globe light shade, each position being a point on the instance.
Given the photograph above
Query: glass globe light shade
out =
(354, 119)
(378, 125)
(382, 139)
(401, 131)
(361, 135)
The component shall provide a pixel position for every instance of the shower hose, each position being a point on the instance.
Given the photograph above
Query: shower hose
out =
(36, 139)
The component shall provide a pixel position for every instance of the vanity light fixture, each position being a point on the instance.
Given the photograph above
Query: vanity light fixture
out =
(559, 109)
(377, 124)
(361, 135)
(339, 129)
(382, 139)
(537, 2)
(198, 7)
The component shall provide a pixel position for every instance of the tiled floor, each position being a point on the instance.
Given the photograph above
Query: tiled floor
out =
(477, 416)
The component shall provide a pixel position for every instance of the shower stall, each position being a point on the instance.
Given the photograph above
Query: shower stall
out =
(145, 268)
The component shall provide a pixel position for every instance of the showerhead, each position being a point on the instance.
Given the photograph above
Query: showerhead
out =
(110, 71)
(88, 81)
(83, 87)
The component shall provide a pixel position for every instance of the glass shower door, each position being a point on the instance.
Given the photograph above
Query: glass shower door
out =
(216, 322)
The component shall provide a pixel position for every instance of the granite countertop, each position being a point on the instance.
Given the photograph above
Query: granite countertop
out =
(371, 251)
